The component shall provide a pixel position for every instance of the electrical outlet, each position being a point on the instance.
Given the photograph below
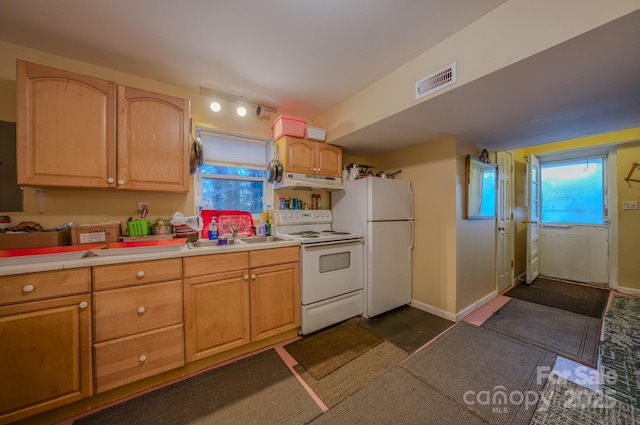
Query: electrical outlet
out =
(141, 205)
(629, 205)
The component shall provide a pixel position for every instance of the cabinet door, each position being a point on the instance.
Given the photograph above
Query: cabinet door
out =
(216, 313)
(66, 130)
(275, 300)
(299, 155)
(45, 360)
(153, 141)
(328, 160)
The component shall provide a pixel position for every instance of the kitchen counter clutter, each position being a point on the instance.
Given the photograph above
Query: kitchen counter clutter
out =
(108, 321)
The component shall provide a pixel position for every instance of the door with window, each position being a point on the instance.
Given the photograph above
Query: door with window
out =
(574, 234)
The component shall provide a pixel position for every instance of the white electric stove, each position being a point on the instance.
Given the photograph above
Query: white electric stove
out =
(331, 270)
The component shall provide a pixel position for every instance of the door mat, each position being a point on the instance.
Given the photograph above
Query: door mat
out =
(260, 386)
(447, 381)
(567, 334)
(354, 375)
(406, 327)
(325, 351)
(572, 297)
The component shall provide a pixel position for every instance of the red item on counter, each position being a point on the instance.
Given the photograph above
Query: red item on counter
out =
(242, 221)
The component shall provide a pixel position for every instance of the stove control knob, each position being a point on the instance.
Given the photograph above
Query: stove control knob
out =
(317, 214)
(289, 215)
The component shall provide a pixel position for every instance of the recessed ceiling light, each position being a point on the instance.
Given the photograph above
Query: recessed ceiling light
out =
(242, 111)
(215, 106)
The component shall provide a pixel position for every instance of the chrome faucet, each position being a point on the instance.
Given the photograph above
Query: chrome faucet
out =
(234, 232)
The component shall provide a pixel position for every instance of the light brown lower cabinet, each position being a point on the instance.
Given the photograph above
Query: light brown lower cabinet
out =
(45, 355)
(230, 303)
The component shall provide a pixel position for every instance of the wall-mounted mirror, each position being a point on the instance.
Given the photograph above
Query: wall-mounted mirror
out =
(481, 188)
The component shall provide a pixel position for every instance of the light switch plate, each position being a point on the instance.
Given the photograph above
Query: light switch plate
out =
(629, 205)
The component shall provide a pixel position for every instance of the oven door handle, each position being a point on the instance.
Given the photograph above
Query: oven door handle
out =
(343, 242)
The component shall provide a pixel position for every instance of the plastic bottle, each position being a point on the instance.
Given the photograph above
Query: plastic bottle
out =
(213, 230)
(267, 225)
(319, 201)
(314, 203)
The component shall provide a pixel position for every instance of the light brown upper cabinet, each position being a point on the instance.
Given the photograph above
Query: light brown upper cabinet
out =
(309, 157)
(82, 132)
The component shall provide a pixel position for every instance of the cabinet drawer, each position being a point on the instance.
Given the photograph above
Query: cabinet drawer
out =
(267, 257)
(139, 273)
(136, 357)
(128, 311)
(215, 263)
(37, 286)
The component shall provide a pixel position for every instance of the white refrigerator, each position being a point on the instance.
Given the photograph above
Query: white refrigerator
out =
(382, 211)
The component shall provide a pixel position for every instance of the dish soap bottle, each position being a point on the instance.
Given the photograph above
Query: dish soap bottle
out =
(267, 225)
(213, 230)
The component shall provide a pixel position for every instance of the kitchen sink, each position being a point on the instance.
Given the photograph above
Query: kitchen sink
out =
(261, 239)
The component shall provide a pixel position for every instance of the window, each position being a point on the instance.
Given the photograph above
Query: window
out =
(233, 174)
(572, 191)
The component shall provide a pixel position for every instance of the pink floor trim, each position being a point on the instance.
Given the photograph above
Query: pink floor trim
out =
(478, 316)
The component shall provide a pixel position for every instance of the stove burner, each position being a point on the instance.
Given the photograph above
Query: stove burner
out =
(328, 231)
(310, 236)
(341, 233)
(305, 232)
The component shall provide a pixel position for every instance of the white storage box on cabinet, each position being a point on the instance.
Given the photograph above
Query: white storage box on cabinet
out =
(314, 133)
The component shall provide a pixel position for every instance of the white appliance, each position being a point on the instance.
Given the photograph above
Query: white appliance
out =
(382, 211)
(301, 181)
(331, 272)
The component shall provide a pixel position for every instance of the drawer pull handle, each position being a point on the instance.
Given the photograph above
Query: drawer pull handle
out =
(253, 277)
(120, 182)
(246, 277)
(28, 288)
(110, 180)
(140, 273)
(142, 358)
(141, 310)
(83, 304)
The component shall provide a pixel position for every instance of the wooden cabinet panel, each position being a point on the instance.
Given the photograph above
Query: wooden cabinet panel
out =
(216, 313)
(267, 257)
(309, 157)
(275, 300)
(128, 311)
(153, 141)
(215, 263)
(45, 360)
(35, 286)
(138, 273)
(129, 359)
(66, 132)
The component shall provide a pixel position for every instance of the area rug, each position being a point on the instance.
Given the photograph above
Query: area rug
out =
(581, 299)
(257, 389)
(494, 376)
(323, 352)
(354, 375)
(570, 335)
(406, 327)
(566, 403)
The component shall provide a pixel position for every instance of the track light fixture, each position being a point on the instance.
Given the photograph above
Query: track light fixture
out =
(262, 109)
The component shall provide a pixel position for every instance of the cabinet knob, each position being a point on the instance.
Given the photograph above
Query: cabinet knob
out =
(83, 304)
(246, 277)
(120, 182)
(140, 273)
(142, 310)
(28, 288)
(110, 180)
(253, 277)
(142, 358)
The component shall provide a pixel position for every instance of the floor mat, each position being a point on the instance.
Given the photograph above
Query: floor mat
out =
(406, 327)
(447, 382)
(580, 299)
(354, 375)
(323, 352)
(260, 386)
(567, 334)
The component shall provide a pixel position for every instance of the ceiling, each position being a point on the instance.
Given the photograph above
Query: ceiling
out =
(306, 57)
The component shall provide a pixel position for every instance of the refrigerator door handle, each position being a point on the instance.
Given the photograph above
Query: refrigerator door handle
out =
(412, 233)
(412, 206)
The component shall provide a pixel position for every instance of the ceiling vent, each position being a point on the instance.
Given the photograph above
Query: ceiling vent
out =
(436, 81)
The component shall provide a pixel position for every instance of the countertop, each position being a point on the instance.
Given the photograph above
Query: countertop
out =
(70, 260)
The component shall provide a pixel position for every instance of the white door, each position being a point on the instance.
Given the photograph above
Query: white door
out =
(505, 243)
(533, 218)
(388, 280)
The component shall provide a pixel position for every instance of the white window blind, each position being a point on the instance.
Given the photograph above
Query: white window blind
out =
(227, 149)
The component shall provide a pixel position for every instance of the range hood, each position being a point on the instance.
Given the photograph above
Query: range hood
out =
(301, 181)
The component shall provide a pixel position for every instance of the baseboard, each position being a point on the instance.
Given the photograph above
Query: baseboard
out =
(433, 310)
(482, 301)
(629, 291)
